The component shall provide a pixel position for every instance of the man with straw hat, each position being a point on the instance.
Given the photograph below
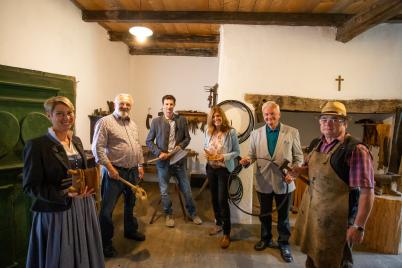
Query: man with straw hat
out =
(338, 201)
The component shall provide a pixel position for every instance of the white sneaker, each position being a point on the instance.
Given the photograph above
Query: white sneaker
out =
(169, 221)
(197, 220)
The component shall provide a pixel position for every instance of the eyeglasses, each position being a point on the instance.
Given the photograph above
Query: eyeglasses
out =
(326, 120)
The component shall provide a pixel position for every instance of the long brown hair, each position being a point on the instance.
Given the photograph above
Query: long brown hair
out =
(225, 122)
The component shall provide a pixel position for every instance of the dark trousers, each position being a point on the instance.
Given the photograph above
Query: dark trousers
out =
(218, 184)
(111, 190)
(283, 216)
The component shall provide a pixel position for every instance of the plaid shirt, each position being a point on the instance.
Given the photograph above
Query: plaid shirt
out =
(361, 173)
(116, 141)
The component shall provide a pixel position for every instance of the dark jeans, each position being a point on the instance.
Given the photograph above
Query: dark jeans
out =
(177, 170)
(111, 191)
(283, 216)
(218, 184)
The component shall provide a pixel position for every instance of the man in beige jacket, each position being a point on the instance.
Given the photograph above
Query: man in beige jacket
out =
(270, 146)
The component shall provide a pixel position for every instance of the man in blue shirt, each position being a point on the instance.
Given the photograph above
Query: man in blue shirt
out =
(270, 146)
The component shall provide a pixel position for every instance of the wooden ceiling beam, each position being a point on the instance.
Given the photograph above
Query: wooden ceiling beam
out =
(250, 18)
(378, 12)
(396, 19)
(175, 38)
(171, 51)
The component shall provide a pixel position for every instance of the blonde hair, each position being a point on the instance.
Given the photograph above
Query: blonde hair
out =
(225, 122)
(51, 103)
(270, 104)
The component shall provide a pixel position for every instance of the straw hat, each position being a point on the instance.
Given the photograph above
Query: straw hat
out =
(334, 108)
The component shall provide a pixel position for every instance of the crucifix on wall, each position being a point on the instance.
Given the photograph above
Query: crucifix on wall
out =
(339, 79)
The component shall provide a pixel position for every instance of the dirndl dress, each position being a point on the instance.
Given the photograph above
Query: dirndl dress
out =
(69, 238)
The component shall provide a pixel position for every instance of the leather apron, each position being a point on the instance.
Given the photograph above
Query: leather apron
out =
(322, 221)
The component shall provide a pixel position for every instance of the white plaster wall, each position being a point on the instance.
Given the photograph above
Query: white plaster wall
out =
(304, 61)
(152, 77)
(50, 36)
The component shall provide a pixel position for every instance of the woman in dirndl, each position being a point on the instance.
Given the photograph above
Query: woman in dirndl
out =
(65, 229)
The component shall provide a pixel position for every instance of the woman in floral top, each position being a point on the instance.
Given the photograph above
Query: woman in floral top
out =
(221, 147)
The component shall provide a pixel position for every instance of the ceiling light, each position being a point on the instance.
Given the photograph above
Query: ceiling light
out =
(140, 33)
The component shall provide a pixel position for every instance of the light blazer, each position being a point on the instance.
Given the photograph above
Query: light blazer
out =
(268, 176)
(45, 168)
(230, 148)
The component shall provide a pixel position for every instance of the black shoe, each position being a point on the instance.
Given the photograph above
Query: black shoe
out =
(109, 252)
(262, 244)
(137, 236)
(285, 253)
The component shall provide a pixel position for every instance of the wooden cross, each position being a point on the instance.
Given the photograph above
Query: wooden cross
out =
(339, 79)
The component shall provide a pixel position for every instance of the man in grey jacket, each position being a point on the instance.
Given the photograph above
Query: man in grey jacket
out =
(270, 146)
(168, 132)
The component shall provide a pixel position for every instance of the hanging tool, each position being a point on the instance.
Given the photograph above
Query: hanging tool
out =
(213, 95)
(149, 117)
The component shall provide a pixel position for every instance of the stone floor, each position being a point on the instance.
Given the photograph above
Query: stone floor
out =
(189, 245)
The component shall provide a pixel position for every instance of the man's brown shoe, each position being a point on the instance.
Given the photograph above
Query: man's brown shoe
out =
(215, 230)
(169, 221)
(225, 241)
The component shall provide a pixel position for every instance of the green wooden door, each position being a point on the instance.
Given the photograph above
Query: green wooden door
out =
(22, 94)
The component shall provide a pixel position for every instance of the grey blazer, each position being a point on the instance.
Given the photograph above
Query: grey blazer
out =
(158, 136)
(268, 176)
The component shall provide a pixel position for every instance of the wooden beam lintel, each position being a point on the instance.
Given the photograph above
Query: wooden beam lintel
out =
(395, 19)
(301, 104)
(175, 38)
(197, 52)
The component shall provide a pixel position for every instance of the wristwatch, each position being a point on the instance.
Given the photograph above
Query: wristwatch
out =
(358, 227)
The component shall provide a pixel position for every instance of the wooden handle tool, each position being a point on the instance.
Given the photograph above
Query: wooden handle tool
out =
(139, 192)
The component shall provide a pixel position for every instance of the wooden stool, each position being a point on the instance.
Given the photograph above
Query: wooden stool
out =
(204, 185)
(177, 190)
